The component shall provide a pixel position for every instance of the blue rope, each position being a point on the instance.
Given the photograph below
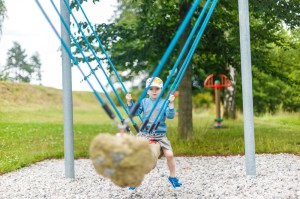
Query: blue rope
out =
(186, 45)
(167, 53)
(75, 61)
(185, 64)
(105, 53)
(158, 68)
(101, 46)
(98, 61)
(87, 61)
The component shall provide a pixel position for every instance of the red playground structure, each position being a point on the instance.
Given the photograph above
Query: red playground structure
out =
(217, 85)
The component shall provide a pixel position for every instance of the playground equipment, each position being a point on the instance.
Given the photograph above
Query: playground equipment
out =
(217, 85)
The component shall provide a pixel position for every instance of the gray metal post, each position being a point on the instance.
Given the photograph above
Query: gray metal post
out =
(247, 87)
(67, 96)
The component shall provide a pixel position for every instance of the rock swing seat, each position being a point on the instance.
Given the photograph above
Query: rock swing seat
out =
(125, 160)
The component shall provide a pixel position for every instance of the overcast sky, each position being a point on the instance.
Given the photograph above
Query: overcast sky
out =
(26, 25)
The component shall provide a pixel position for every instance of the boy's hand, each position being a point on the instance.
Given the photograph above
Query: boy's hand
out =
(128, 98)
(171, 99)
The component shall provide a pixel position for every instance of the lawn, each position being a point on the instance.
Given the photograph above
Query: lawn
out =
(33, 131)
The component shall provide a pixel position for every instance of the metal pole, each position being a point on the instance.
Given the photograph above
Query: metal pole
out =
(67, 96)
(218, 119)
(247, 87)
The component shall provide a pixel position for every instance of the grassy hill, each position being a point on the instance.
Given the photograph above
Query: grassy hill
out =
(34, 96)
(22, 102)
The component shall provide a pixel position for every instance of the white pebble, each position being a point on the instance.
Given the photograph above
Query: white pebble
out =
(277, 176)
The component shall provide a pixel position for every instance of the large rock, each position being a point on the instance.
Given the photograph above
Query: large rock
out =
(123, 159)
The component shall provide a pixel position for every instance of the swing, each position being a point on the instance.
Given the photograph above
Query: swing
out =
(154, 149)
(123, 158)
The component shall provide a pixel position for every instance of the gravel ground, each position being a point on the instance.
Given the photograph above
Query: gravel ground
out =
(278, 176)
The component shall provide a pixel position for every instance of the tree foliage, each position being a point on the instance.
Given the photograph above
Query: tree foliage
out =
(18, 68)
(2, 14)
(142, 31)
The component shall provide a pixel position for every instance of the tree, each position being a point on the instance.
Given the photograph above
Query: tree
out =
(35, 63)
(286, 67)
(2, 14)
(185, 117)
(18, 68)
(220, 46)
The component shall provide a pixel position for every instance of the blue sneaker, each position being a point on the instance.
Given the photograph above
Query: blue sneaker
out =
(175, 182)
(131, 189)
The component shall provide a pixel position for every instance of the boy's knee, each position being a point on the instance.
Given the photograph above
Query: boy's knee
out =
(169, 154)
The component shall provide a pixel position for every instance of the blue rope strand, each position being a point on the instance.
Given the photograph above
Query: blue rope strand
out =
(167, 53)
(186, 62)
(101, 46)
(75, 61)
(97, 59)
(87, 61)
(186, 45)
(105, 53)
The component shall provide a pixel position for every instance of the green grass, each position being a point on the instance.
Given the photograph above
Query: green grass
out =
(32, 131)
(273, 134)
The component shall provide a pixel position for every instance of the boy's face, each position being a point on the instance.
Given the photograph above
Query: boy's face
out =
(154, 92)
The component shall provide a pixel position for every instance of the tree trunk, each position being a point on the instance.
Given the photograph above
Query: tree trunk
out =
(229, 98)
(185, 120)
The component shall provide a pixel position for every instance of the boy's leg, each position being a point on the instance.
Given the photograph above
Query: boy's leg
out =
(171, 164)
(170, 161)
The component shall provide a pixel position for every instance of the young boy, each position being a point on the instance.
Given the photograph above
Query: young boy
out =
(160, 133)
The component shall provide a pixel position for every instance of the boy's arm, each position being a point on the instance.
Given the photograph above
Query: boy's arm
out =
(130, 105)
(129, 99)
(170, 113)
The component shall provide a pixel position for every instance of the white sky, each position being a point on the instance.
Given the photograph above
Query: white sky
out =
(26, 25)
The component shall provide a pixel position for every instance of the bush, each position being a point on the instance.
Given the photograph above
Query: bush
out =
(202, 100)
